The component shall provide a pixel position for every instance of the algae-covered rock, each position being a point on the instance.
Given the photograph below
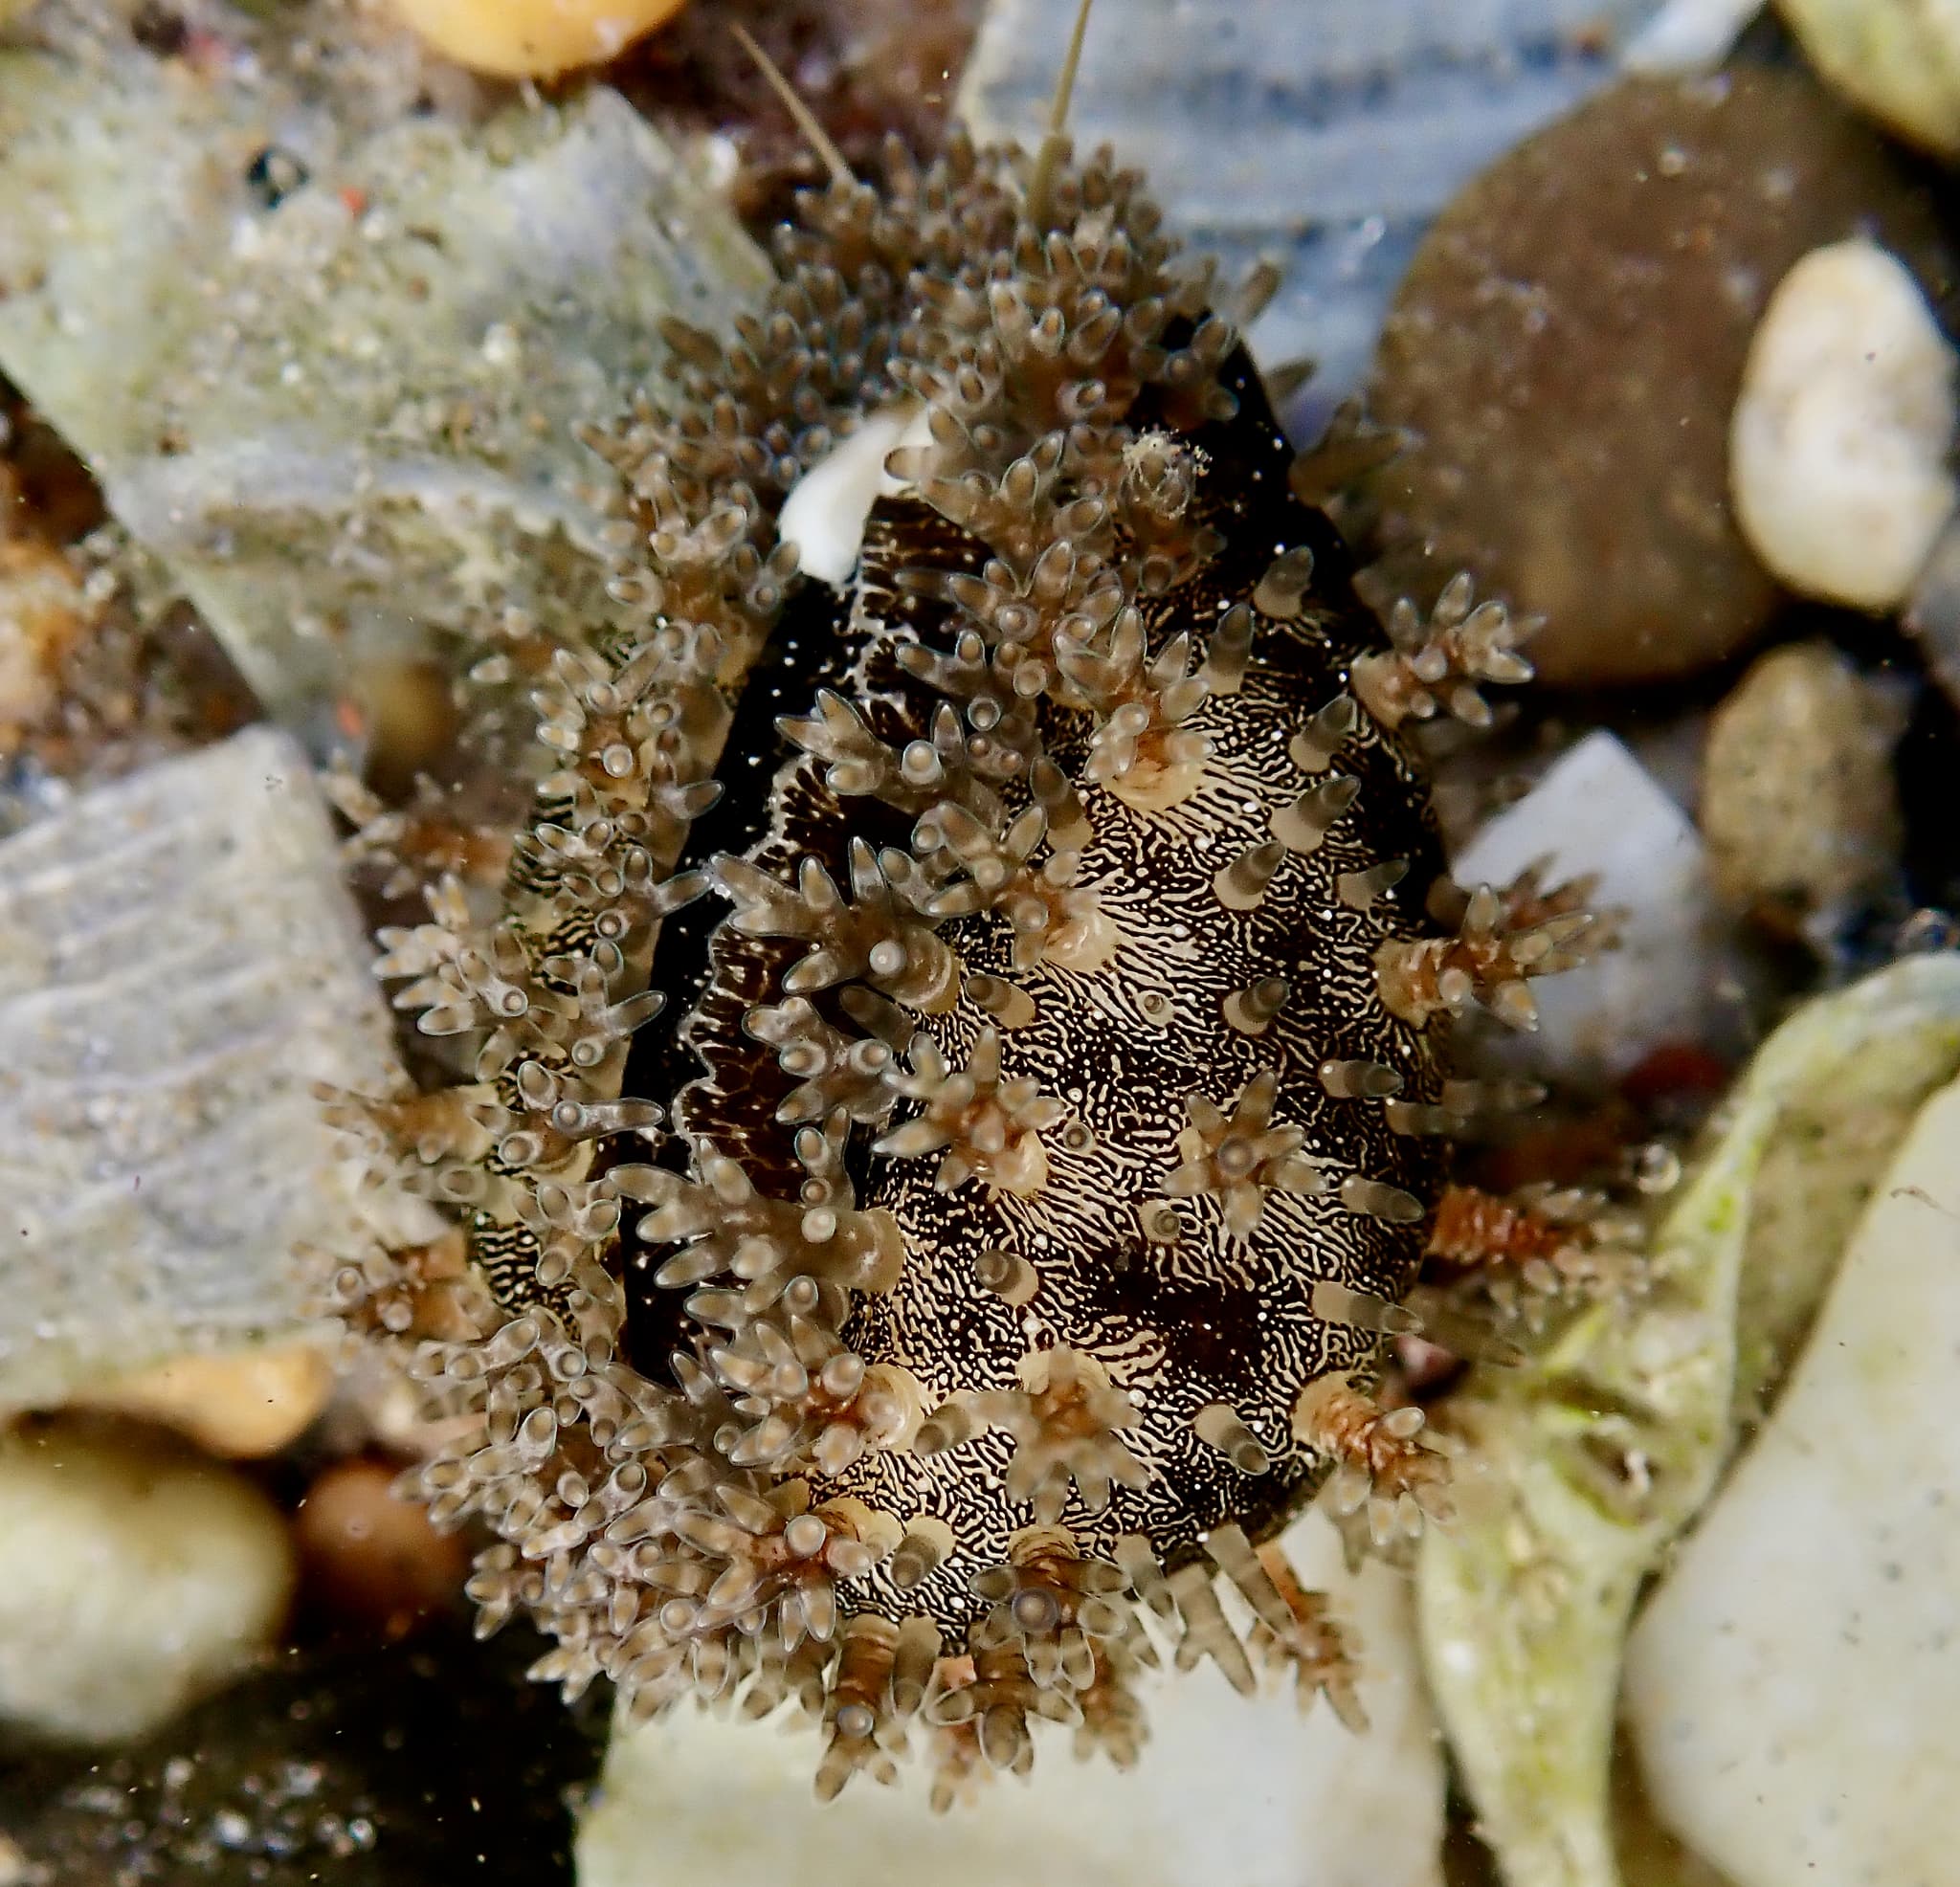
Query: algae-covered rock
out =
(329, 371)
(1587, 1462)
(1794, 1688)
(1569, 343)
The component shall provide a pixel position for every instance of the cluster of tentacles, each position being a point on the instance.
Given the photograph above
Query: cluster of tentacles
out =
(1074, 1041)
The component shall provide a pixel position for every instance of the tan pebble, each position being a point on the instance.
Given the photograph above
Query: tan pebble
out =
(1838, 444)
(243, 1404)
(1898, 59)
(43, 613)
(532, 38)
(370, 1556)
(1798, 805)
(410, 717)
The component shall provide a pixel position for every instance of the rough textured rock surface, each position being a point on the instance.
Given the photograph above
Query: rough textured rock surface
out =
(354, 1767)
(1569, 342)
(1798, 805)
(183, 964)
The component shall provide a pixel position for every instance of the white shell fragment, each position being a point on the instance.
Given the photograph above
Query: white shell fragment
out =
(134, 1580)
(1794, 1688)
(824, 517)
(1250, 1791)
(1597, 811)
(178, 965)
(1841, 437)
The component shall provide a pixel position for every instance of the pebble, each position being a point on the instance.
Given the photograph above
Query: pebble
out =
(1839, 442)
(1325, 136)
(1567, 346)
(1900, 59)
(1228, 1788)
(240, 1405)
(532, 38)
(43, 613)
(1793, 1687)
(371, 1557)
(1798, 805)
(134, 1579)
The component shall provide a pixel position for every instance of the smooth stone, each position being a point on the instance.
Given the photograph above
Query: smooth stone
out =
(135, 1578)
(241, 1404)
(1838, 445)
(1248, 1790)
(1900, 59)
(1793, 1687)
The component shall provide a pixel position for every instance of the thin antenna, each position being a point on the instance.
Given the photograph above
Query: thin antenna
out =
(1049, 153)
(814, 133)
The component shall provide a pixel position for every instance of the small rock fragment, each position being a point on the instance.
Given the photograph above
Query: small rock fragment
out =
(532, 38)
(1792, 1686)
(1598, 813)
(1898, 59)
(242, 1405)
(135, 1578)
(1569, 343)
(1798, 805)
(43, 613)
(371, 1557)
(1838, 445)
(344, 414)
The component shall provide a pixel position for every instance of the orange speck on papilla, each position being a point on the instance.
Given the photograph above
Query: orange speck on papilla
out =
(532, 38)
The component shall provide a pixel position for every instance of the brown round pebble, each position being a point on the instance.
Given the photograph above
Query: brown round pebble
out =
(371, 1558)
(1569, 341)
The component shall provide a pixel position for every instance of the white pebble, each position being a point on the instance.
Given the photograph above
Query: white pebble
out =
(1793, 1689)
(135, 1578)
(1838, 443)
